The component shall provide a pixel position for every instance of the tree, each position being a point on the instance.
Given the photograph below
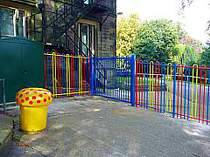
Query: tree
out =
(187, 51)
(156, 40)
(204, 60)
(186, 54)
(179, 51)
(127, 29)
(190, 57)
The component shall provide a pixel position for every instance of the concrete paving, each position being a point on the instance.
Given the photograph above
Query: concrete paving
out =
(6, 123)
(97, 127)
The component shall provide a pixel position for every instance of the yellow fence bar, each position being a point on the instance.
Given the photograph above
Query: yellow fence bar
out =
(196, 88)
(54, 76)
(59, 55)
(151, 82)
(68, 74)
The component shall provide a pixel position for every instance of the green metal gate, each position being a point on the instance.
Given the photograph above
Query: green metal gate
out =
(21, 63)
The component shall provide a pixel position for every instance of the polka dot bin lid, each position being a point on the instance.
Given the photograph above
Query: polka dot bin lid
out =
(34, 97)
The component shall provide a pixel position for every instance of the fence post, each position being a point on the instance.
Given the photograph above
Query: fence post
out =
(133, 79)
(92, 75)
(3, 96)
(174, 91)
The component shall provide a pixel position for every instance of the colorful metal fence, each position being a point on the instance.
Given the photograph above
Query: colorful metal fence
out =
(180, 90)
(67, 75)
(114, 78)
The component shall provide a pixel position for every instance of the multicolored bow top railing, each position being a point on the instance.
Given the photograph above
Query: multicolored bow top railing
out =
(178, 89)
(67, 75)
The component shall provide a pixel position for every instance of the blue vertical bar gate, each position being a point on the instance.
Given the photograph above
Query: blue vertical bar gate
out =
(114, 77)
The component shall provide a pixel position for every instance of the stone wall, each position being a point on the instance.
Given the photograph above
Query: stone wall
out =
(107, 33)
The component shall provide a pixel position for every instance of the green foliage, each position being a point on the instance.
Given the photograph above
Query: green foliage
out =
(156, 40)
(190, 57)
(179, 51)
(205, 57)
(127, 29)
(185, 54)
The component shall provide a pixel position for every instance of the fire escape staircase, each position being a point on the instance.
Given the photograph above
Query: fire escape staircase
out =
(66, 17)
(56, 26)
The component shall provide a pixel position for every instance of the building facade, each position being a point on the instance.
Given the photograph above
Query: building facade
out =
(85, 27)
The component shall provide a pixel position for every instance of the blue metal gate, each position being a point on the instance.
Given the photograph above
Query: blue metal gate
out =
(114, 78)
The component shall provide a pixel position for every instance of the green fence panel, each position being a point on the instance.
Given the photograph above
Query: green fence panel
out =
(21, 65)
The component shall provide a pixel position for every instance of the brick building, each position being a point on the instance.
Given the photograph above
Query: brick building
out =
(84, 27)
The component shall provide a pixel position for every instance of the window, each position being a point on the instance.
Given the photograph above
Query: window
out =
(89, 1)
(87, 35)
(12, 22)
(7, 22)
(20, 24)
(85, 38)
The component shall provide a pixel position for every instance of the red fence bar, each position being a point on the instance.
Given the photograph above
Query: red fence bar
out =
(182, 80)
(204, 97)
(199, 95)
(142, 85)
(137, 83)
(72, 86)
(59, 74)
(158, 86)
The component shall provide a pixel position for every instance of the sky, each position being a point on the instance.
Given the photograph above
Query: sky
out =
(194, 19)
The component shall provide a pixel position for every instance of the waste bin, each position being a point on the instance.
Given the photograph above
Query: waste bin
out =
(34, 104)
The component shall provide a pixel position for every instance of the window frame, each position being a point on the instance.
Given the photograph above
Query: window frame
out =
(15, 22)
(91, 36)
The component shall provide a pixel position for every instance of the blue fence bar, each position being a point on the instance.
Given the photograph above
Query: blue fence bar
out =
(92, 76)
(133, 79)
(174, 91)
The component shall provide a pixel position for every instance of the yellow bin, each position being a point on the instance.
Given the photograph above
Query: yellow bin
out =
(34, 104)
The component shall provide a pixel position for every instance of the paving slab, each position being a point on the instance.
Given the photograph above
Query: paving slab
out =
(97, 127)
(6, 123)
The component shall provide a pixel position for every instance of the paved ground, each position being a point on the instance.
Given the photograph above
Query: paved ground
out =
(96, 127)
(6, 123)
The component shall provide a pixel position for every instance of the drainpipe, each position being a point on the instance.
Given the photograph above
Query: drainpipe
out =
(0, 25)
(41, 6)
